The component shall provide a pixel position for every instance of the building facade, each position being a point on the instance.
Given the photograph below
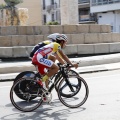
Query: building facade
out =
(84, 14)
(50, 11)
(108, 12)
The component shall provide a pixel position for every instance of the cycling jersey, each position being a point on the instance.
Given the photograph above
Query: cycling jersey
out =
(39, 45)
(49, 49)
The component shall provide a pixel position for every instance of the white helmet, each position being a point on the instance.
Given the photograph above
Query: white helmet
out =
(53, 36)
(61, 37)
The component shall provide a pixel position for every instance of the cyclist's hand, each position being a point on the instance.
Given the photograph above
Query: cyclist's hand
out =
(75, 65)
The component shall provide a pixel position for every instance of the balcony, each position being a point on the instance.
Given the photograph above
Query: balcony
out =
(83, 3)
(104, 2)
(104, 6)
(87, 18)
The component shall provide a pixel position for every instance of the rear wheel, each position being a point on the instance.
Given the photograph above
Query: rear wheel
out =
(75, 98)
(26, 75)
(31, 90)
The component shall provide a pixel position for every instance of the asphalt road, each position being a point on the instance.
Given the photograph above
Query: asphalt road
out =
(103, 102)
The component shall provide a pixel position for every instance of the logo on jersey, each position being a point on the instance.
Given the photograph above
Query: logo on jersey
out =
(46, 51)
(45, 61)
(42, 60)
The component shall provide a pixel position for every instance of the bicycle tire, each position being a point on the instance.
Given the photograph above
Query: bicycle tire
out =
(32, 91)
(25, 74)
(73, 99)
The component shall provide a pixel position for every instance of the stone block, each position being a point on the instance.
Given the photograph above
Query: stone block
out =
(106, 37)
(22, 30)
(85, 49)
(4, 31)
(5, 41)
(37, 30)
(83, 28)
(38, 38)
(45, 36)
(115, 37)
(105, 28)
(45, 29)
(29, 49)
(9, 30)
(114, 47)
(19, 40)
(69, 29)
(20, 51)
(30, 30)
(56, 29)
(69, 39)
(70, 49)
(100, 37)
(30, 40)
(94, 28)
(77, 38)
(102, 48)
(91, 38)
(5, 52)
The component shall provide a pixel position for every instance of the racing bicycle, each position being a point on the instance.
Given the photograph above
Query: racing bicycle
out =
(27, 94)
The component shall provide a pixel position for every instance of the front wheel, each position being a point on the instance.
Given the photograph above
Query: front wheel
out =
(79, 93)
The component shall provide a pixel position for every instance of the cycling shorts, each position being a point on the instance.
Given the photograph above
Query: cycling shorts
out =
(42, 63)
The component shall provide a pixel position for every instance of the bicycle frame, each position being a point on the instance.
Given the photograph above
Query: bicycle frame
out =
(59, 76)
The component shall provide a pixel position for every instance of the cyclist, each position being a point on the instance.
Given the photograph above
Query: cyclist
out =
(42, 55)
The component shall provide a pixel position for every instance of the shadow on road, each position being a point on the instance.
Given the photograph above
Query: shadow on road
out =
(54, 110)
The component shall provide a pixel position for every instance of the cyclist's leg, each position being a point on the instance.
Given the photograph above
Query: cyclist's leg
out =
(44, 63)
(52, 57)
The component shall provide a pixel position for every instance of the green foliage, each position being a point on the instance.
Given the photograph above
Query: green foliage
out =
(13, 2)
(2, 6)
(52, 23)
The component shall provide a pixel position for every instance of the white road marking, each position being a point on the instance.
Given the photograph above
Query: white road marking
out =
(5, 86)
(102, 76)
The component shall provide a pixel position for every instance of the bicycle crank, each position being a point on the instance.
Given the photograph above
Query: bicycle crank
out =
(46, 97)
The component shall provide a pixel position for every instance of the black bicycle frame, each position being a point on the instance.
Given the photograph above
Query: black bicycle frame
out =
(56, 81)
(61, 74)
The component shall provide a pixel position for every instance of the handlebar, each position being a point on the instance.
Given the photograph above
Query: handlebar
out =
(65, 65)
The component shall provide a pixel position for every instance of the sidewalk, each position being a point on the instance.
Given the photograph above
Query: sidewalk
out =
(9, 70)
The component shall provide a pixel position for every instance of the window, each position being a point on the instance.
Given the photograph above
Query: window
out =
(52, 2)
(44, 19)
(43, 4)
(53, 17)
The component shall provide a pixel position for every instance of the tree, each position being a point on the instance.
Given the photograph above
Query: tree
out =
(13, 2)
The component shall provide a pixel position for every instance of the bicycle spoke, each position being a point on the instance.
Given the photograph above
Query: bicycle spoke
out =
(76, 98)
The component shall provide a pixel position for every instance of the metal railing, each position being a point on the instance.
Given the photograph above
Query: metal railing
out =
(83, 1)
(83, 18)
(103, 2)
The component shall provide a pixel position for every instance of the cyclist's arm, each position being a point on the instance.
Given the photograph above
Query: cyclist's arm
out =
(67, 59)
(59, 58)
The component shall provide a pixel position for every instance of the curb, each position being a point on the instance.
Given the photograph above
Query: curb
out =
(13, 67)
(80, 70)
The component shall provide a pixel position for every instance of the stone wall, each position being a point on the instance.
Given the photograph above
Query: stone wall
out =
(17, 41)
